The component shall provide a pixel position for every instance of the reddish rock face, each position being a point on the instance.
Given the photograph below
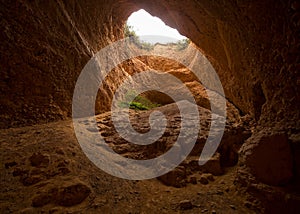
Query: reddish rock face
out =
(253, 45)
(44, 46)
(269, 157)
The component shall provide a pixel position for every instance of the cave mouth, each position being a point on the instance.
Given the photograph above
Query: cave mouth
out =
(45, 45)
(151, 28)
(152, 34)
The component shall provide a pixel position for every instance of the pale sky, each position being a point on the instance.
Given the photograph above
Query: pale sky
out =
(149, 28)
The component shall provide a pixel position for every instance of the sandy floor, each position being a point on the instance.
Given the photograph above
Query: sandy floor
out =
(43, 170)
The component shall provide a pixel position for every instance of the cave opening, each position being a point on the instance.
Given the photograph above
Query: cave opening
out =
(254, 48)
(150, 33)
(151, 28)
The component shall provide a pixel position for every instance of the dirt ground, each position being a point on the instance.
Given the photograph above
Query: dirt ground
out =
(44, 170)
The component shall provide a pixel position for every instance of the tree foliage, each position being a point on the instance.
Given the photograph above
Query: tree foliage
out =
(182, 44)
(135, 39)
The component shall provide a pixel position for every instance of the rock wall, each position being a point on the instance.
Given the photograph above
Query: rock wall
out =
(253, 45)
(44, 45)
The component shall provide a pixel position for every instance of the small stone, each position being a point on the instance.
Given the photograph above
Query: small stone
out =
(213, 165)
(92, 129)
(208, 176)
(213, 212)
(220, 192)
(39, 160)
(175, 178)
(31, 180)
(232, 207)
(203, 180)
(72, 195)
(10, 164)
(64, 170)
(60, 151)
(204, 210)
(41, 200)
(19, 172)
(185, 205)
(247, 204)
(193, 180)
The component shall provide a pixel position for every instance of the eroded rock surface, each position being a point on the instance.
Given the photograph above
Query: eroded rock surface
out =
(269, 157)
(72, 183)
(253, 47)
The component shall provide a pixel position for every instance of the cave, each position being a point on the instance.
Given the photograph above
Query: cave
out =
(253, 47)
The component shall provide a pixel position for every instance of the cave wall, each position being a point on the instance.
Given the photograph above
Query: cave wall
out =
(44, 46)
(253, 45)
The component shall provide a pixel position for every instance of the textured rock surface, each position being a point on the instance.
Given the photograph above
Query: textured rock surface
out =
(269, 157)
(44, 46)
(73, 184)
(190, 166)
(175, 178)
(253, 45)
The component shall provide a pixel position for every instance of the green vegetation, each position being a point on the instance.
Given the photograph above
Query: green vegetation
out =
(139, 102)
(133, 38)
(182, 44)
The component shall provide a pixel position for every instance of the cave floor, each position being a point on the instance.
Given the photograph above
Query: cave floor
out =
(43, 170)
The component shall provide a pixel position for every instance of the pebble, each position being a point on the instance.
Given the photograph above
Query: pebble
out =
(185, 205)
(213, 212)
(208, 176)
(232, 207)
(203, 180)
(247, 204)
(193, 180)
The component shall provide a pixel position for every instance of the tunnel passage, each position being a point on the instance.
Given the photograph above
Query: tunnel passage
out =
(253, 45)
(45, 46)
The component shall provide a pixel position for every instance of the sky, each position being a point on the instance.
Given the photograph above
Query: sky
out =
(150, 28)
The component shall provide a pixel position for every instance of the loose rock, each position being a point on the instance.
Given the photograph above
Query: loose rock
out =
(175, 178)
(185, 205)
(193, 180)
(72, 195)
(39, 160)
(203, 180)
(275, 168)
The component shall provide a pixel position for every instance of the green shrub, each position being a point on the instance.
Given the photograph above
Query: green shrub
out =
(135, 39)
(138, 106)
(139, 102)
(182, 44)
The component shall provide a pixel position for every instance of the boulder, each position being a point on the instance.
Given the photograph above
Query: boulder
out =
(213, 165)
(72, 195)
(175, 178)
(268, 156)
